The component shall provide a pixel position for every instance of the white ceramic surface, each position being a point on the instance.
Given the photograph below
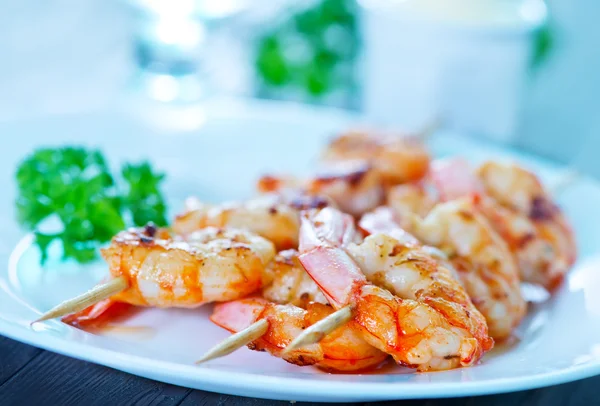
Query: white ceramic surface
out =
(559, 341)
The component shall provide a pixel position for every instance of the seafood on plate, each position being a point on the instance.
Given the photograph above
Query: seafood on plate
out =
(342, 350)
(512, 200)
(356, 168)
(397, 158)
(474, 251)
(429, 276)
(291, 302)
(354, 186)
(419, 314)
(533, 224)
(157, 269)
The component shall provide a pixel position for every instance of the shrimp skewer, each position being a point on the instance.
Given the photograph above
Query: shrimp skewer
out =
(479, 256)
(342, 350)
(397, 159)
(354, 186)
(484, 262)
(547, 249)
(274, 217)
(161, 271)
(356, 168)
(286, 282)
(430, 325)
(271, 322)
(513, 201)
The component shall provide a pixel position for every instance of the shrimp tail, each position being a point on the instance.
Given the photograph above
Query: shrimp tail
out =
(97, 314)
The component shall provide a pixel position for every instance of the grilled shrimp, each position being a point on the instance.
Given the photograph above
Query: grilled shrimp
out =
(430, 324)
(415, 198)
(286, 282)
(162, 271)
(342, 350)
(477, 255)
(484, 262)
(267, 216)
(353, 185)
(398, 159)
(383, 220)
(530, 222)
(519, 209)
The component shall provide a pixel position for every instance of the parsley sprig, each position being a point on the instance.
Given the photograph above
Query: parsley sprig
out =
(69, 194)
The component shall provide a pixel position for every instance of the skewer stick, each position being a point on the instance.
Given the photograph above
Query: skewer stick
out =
(237, 340)
(320, 329)
(89, 298)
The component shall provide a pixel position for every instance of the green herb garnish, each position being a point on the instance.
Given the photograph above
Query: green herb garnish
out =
(69, 194)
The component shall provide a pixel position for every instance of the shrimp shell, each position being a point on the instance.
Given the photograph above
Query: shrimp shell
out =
(397, 159)
(267, 216)
(353, 186)
(211, 265)
(483, 260)
(532, 224)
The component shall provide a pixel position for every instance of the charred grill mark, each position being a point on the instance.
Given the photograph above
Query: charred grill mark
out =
(301, 360)
(146, 240)
(524, 240)
(466, 215)
(150, 230)
(541, 209)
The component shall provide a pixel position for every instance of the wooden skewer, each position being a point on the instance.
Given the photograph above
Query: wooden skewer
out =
(320, 329)
(237, 340)
(311, 335)
(89, 298)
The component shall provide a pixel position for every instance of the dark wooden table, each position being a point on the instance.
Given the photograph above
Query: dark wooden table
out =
(30, 376)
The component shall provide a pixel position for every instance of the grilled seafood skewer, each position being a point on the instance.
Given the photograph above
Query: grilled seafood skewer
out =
(441, 329)
(275, 217)
(291, 305)
(515, 204)
(162, 271)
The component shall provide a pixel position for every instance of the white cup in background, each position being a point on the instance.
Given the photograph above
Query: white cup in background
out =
(463, 62)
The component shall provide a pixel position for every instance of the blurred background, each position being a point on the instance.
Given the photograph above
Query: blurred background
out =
(523, 72)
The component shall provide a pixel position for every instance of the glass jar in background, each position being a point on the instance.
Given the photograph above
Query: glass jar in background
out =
(170, 40)
(463, 63)
(186, 53)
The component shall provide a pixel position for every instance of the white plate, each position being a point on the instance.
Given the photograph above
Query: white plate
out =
(559, 341)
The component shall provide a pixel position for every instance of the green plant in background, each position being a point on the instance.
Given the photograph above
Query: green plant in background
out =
(542, 46)
(312, 51)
